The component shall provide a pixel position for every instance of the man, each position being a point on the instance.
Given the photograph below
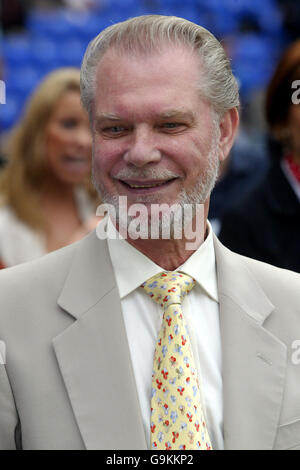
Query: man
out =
(78, 330)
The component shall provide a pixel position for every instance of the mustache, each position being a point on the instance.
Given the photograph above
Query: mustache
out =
(145, 173)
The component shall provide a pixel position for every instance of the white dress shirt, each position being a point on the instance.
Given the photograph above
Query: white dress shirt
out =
(143, 318)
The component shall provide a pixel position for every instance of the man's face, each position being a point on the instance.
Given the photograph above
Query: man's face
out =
(154, 137)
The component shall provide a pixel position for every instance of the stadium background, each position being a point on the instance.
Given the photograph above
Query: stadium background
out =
(39, 36)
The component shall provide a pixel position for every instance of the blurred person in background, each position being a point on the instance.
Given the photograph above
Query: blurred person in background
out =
(267, 225)
(82, 5)
(46, 196)
(239, 175)
(2, 100)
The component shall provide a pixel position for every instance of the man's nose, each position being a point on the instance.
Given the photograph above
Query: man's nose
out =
(142, 149)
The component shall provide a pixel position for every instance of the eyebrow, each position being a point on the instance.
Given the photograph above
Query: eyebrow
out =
(169, 114)
(107, 117)
(178, 114)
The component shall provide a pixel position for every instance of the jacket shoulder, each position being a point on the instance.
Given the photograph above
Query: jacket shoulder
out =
(270, 272)
(281, 285)
(31, 279)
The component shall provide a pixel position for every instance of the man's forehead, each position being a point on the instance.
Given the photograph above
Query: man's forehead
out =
(166, 87)
(113, 56)
(159, 74)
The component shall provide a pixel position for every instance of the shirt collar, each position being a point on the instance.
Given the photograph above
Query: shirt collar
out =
(132, 268)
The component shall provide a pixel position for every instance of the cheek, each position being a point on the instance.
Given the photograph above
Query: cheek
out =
(54, 144)
(190, 153)
(107, 156)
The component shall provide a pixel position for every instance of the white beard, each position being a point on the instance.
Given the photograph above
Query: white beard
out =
(167, 219)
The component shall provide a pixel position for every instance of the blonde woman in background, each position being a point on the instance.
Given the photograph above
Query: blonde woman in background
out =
(47, 200)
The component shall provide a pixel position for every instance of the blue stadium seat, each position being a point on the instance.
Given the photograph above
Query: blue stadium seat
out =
(252, 77)
(16, 49)
(271, 21)
(253, 60)
(22, 79)
(189, 12)
(266, 13)
(86, 26)
(70, 52)
(59, 28)
(177, 3)
(211, 4)
(124, 4)
(37, 21)
(44, 53)
(52, 24)
(120, 10)
(223, 23)
(242, 7)
(253, 48)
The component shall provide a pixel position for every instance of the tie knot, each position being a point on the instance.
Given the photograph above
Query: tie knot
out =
(168, 288)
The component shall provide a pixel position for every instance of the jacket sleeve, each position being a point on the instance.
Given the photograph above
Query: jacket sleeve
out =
(9, 422)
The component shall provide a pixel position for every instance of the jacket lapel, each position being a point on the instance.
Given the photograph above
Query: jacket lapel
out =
(93, 354)
(254, 361)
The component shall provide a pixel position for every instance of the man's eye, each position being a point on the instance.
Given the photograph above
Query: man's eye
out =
(114, 130)
(172, 125)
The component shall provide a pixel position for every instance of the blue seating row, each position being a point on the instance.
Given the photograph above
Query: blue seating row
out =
(59, 38)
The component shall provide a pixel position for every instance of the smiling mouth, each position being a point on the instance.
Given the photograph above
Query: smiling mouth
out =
(146, 185)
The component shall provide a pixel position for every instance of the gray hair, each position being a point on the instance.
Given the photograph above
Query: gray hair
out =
(148, 34)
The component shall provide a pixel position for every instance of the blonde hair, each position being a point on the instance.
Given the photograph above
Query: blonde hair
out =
(25, 170)
(150, 33)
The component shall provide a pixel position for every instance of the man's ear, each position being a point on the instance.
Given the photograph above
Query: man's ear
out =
(228, 128)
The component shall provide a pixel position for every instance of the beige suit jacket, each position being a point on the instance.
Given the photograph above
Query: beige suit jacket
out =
(68, 381)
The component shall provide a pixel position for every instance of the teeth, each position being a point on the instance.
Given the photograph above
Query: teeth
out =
(146, 185)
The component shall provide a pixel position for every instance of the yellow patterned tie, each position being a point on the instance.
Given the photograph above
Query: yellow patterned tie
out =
(177, 420)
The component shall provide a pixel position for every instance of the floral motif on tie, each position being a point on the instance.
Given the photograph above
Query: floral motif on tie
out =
(177, 419)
